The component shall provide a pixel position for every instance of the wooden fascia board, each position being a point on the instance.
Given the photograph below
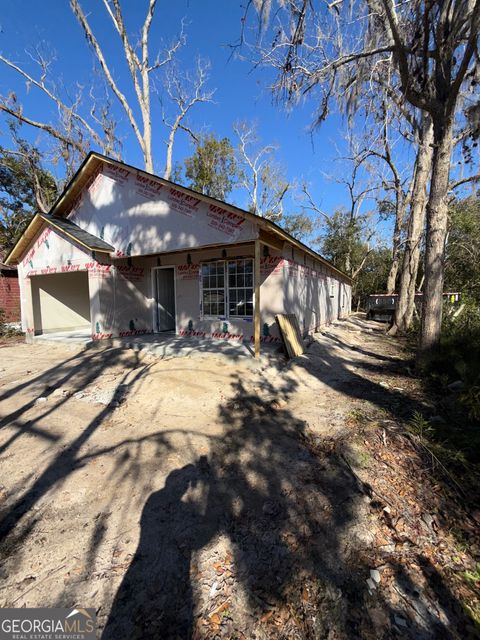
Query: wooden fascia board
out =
(22, 244)
(206, 247)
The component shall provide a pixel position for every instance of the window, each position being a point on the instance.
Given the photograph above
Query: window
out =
(235, 295)
(213, 289)
(240, 288)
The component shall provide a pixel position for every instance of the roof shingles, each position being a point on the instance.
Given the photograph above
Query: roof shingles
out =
(72, 230)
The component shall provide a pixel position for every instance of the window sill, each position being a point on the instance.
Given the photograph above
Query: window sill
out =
(226, 318)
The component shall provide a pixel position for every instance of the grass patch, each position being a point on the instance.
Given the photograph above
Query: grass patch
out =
(473, 577)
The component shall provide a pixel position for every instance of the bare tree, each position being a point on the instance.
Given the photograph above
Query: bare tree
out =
(396, 184)
(140, 66)
(357, 194)
(72, 132)
(78, 126)
(262, 178)
(432, 49)
(184, 91)
(354, 226)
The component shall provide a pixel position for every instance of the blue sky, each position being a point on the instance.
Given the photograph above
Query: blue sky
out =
(241, 91)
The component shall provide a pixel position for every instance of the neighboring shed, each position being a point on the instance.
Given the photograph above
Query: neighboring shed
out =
(9, 292)
(124, 252)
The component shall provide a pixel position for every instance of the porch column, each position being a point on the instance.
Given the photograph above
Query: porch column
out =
(256, 280)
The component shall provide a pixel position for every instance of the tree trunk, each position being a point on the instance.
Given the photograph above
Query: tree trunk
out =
(144, 100)
(411, 257)
(168, 165)
(392, 274)
(148, 154)
(437, 221)
(348, 264)
(397, 233)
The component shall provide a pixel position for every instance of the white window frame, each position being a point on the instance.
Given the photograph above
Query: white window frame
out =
(226, 289)
(246, 316)
(206, 315)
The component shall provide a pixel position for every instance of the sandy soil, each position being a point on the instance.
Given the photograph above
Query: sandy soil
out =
(197, 497)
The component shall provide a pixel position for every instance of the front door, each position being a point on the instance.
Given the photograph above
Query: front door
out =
(165, 297)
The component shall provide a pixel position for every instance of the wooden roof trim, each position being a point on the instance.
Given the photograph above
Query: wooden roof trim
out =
(25, 240)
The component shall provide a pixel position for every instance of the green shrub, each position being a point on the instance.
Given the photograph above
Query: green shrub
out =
(458, 355)
(471, 400)
(419, 426)
(454, 436)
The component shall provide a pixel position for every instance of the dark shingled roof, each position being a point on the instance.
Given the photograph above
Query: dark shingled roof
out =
(76, 233)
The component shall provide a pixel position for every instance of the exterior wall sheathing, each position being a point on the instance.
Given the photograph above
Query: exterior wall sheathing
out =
(122, 299)
(139, 217)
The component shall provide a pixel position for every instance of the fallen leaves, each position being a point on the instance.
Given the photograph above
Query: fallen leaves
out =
(215, 618)
(419, 532)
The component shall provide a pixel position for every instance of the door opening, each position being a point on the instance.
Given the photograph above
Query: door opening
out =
(165, 298)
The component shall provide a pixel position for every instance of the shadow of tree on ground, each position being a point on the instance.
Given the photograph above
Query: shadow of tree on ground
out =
(283, 510)
(267, 536)
(80, 370)
(296, 563)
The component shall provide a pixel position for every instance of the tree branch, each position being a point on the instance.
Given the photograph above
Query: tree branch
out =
(69, 111)
(91, 39)
(462, 181)
(55, 133)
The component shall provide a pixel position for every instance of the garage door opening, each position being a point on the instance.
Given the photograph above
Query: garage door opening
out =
(61, 302)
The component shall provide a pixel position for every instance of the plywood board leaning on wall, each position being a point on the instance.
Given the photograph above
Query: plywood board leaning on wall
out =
(291, 335)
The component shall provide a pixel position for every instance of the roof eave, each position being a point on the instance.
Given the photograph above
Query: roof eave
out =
(24, 241)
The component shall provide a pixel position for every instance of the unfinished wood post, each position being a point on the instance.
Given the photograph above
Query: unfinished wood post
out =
(256, 282)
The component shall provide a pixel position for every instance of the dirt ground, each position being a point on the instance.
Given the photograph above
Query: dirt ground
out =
(203, 498)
